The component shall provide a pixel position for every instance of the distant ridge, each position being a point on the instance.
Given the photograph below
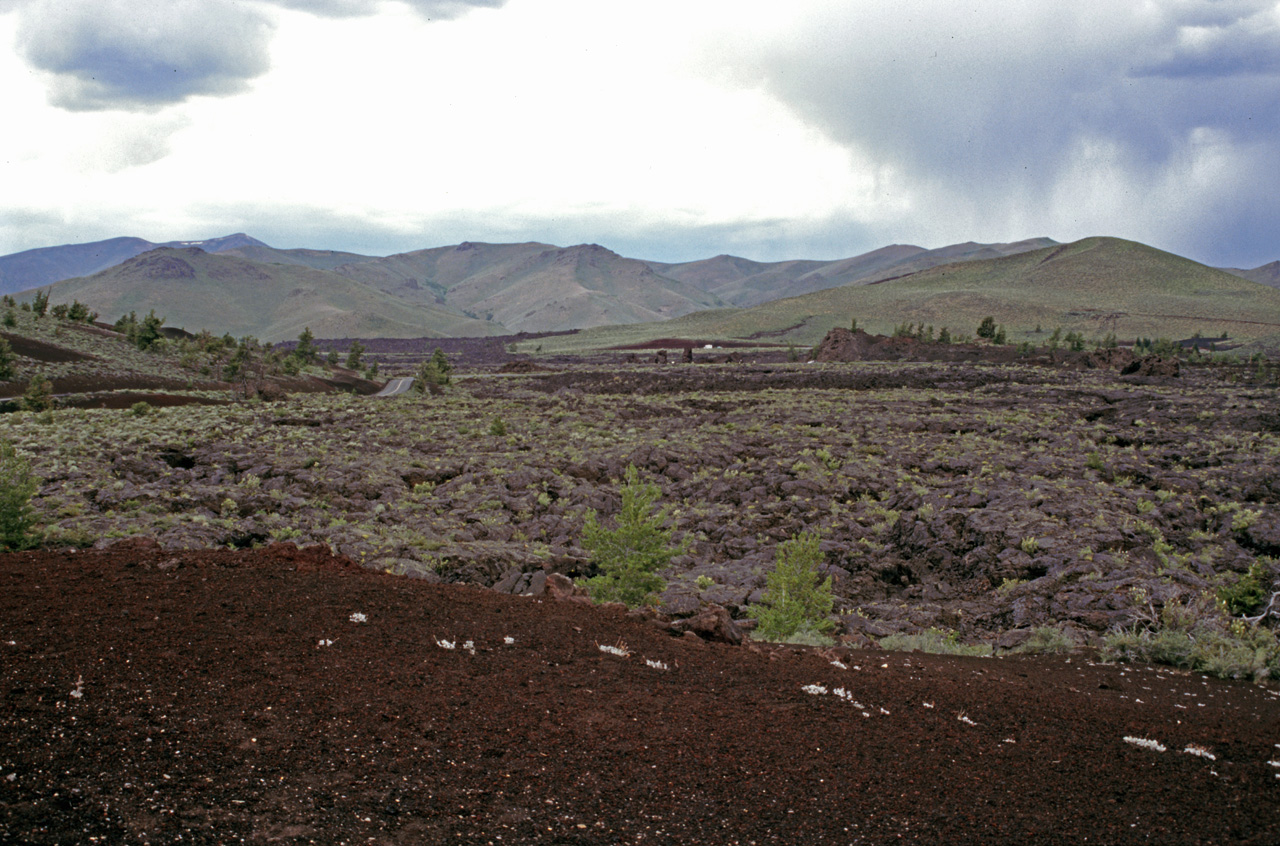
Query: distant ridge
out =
(46, 265)
(741, 282)
(239, 285)
(1267, 274)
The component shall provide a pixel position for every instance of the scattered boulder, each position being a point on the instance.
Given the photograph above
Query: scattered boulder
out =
(1152, 367)
(564, 589)
(713, 623)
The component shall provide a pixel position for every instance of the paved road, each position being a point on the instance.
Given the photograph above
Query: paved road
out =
(397, 386)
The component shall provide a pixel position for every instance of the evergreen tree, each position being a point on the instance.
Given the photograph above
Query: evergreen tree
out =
(795, 602)
(630, 555)
(16, 489)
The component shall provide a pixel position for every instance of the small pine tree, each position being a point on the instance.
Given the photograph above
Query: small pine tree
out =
(630, 556)
(41, 304)
(7, 360)
(39, 395)
(306, 350)
(353, 355)
(144, 335)
(17, 486)
(987, 328)
(434, 371)
(795, 602)
(1055, 339)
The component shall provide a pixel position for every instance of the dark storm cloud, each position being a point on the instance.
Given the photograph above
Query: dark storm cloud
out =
(114, 54)
(997, 105)
(144, 54)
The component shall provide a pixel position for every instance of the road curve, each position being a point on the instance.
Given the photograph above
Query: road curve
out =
(395, 387)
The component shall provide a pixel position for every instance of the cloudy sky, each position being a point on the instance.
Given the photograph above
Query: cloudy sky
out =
(663, 129)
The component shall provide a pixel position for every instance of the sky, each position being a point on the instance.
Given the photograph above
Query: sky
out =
(668, 130)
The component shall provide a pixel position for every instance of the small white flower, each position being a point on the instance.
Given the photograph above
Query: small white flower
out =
(357, 617)
(839, 665)
(79, 691)
(814, 689)
(657, 665)
(928, 704)
(446, 644)
(620, 650)
(324, 641)
(509, 641)
(1199, 751)
(964, 718)
(1144, 743)
(470, 646)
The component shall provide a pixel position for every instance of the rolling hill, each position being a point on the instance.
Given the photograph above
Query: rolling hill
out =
(1094, 286)
(225, 294)
(533, 287)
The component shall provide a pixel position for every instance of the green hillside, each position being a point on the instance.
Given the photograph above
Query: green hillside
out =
(534, 287)
(1094, 286)
(224, 294)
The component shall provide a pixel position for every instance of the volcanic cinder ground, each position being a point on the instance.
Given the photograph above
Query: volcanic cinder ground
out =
(287, 696)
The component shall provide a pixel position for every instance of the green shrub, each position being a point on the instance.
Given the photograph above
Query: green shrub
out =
(498, 427)
(1046, 640)
(937, 642)
(17, 486)
(795, 601)
(140, 409)
(629, 556)
(1248, 593)
(1198, 636)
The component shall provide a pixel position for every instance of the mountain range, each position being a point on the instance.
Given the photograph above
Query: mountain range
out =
(242, 286)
